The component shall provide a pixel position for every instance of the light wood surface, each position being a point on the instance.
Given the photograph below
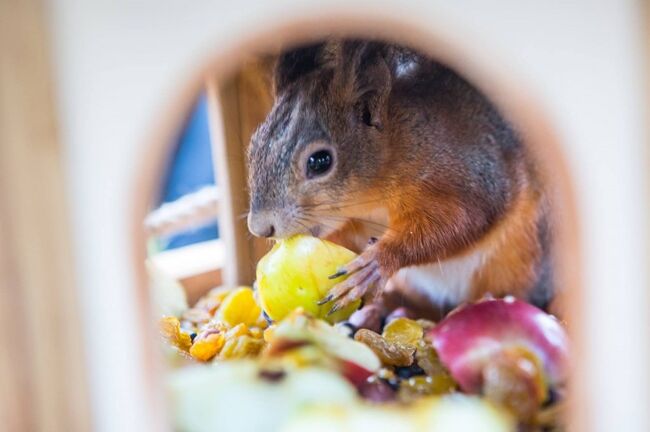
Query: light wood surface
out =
(225, 136)
(42, 369)
(196, 267)
(255, 102)
(236, 106)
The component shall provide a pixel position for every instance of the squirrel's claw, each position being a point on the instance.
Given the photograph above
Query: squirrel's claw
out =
(365, 277)
(324, 300)
(355, 265)
(369, 278)
(338, 274)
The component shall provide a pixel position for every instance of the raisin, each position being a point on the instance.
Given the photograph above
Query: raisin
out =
(427, 358)
(419, 386)
(426, 324)
(395, 354)
(170, 328)
(404, 331)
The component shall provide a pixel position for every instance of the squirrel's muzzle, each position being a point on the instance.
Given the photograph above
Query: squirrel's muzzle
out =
(261, 224)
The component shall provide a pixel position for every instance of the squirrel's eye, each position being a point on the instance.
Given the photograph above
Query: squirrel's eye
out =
(319, 163)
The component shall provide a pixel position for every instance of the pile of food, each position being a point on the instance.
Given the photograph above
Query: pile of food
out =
(272, 358)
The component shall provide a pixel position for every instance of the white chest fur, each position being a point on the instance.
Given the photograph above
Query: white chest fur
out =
(444, 282)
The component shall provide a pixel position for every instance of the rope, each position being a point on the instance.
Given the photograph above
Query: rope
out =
(189, 211)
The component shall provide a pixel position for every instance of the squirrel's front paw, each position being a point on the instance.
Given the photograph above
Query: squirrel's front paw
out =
(365, 278)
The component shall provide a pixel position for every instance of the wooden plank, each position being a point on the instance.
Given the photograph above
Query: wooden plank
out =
(188, 261)
(197, 267)
(42, 369)
(255, 102)
(228, 159)
(237, 107)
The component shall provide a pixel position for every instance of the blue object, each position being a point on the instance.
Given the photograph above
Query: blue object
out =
(190, 169)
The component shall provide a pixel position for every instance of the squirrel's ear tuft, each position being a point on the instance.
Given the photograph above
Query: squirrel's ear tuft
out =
(371, 79)
(297, 62)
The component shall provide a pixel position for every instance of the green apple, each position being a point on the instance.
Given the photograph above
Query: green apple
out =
(295, 273)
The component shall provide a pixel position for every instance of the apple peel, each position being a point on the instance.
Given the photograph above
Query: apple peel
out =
(499, 347)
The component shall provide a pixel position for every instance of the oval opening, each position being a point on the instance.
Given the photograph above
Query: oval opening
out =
(228, 65)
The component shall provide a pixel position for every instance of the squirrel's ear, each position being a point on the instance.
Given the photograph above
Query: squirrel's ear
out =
(295, 63)
(372, 81)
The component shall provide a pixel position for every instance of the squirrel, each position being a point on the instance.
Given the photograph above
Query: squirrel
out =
(386, 151)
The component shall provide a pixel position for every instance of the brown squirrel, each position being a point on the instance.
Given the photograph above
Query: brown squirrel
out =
(376, 146)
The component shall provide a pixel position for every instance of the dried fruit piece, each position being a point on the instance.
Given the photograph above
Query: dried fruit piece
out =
(426, 324)
(213, 299)
(249, 346)
(256, 332)
(389, 353)
(240, 347)
(427, 358)
(512, 380)
(443, 383)
(208, 346)
(419, 386)
(268, 333)
(238, 330)
(404, 331)
(228, 349)
(262, 322)
(196, 316)
(239, 307)
(170, 328)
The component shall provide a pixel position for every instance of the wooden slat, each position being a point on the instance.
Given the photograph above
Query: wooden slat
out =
(255, 102)
(196, 267)
(237, 107)
(42, 369)
(231, 177)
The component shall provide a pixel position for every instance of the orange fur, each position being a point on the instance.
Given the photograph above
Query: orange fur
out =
(512, 252)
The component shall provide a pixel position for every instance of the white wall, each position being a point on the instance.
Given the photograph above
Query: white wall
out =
(119, 62)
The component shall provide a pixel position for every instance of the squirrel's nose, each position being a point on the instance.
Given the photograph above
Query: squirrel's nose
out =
(259, 224)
